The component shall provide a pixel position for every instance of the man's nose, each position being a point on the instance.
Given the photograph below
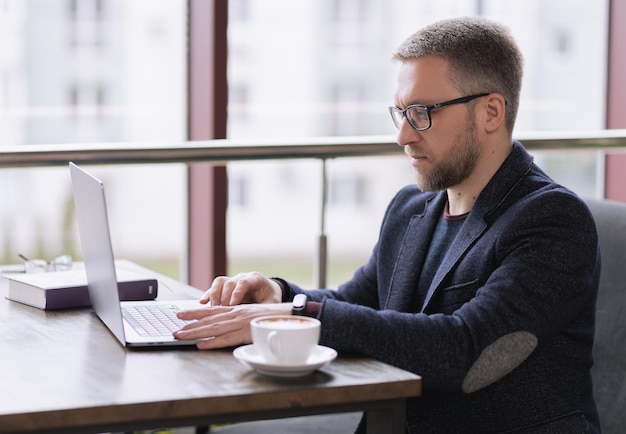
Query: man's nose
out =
(406, 134)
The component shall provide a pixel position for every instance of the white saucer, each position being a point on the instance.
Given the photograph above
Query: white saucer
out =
(249, 355)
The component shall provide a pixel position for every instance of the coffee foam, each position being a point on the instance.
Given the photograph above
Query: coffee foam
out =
(286, 323)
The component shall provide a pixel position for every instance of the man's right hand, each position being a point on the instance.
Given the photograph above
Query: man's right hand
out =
(250, 287)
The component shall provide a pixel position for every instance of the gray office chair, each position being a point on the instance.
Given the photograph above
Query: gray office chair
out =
(609, 370)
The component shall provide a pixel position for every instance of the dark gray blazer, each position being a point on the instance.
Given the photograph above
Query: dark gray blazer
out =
(504, 338)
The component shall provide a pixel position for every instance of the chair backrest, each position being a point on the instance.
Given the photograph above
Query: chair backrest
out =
(609, 370)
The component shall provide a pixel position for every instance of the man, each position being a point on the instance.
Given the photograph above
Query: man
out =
(485, 275)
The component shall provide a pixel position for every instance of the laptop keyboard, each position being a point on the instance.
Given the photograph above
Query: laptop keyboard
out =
(153, 320)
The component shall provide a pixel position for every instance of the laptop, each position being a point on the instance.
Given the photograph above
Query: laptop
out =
(120, 317)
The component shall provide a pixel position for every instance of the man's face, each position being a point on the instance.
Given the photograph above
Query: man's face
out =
(446, 154)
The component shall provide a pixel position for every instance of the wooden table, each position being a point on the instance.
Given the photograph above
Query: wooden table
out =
(62, 371)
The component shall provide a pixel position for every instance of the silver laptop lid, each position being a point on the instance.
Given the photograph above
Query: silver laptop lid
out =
(95, 239)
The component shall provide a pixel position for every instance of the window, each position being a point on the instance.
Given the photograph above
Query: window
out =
(347, 191)
(94, 71)
(324, 68)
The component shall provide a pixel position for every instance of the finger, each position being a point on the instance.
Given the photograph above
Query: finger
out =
(221, 288)
(229, 287)
(194, 331)
(219, 292)
(206, 297)
(240, 290)
(191, 314)
(224, 341)
(247, 288)
(212, 328)
(200, 313)
(213, 295)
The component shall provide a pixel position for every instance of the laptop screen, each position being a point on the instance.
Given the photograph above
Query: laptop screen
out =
(95, 239)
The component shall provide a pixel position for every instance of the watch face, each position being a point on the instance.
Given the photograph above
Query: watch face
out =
(299, 301)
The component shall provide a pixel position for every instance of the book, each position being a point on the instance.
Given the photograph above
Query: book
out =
(68, 289)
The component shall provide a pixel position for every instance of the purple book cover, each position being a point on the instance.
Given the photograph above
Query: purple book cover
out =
(64, 298)
(68, 289)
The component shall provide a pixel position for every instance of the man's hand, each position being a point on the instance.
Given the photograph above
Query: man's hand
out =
(225, 326)
(251, 287)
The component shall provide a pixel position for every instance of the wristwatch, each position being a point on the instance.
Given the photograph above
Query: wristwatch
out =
(298, 304)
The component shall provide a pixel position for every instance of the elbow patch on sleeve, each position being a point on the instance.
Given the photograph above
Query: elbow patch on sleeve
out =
(498, 359)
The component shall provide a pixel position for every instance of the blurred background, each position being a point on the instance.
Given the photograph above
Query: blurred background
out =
(79, 71)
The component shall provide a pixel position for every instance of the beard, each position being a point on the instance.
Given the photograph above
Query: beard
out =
(455, 167)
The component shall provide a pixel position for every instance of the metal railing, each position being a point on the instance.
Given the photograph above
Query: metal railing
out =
(225, 150)
(222, 151)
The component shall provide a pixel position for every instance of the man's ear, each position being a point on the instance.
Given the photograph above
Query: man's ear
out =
(495, 109)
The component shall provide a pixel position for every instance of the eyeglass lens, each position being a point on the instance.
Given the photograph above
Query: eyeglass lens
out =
(60, 263)
(417, 116)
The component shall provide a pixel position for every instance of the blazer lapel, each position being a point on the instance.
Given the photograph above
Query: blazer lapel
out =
(469, 233)
(515, 167)
(412, 254)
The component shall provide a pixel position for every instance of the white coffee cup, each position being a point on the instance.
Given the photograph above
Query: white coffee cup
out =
(285, 339)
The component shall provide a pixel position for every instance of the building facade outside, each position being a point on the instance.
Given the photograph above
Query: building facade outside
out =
(114, 70)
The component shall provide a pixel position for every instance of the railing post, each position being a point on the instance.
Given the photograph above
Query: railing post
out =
(616, 98)
(321, 272)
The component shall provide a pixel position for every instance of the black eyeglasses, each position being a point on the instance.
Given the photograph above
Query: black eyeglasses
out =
(418, 115)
